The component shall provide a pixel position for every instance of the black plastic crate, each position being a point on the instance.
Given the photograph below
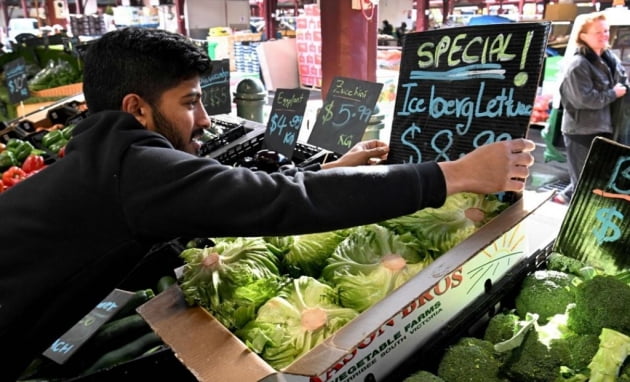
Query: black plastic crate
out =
(303, 154)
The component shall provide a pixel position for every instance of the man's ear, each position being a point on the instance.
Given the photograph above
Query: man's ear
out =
(136, 106)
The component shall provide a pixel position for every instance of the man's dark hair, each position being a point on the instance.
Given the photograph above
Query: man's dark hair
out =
(143, 61)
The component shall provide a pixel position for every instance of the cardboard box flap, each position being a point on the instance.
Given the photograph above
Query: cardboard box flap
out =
(211, 352)
(594, 229)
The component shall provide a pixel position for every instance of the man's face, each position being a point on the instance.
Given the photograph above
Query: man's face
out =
(180, 116)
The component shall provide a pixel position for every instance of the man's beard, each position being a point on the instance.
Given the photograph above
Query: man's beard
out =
(166, 128)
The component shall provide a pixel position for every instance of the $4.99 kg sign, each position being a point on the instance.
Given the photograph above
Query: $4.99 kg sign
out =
(461, 88)
(215, 88)
(15, 77)
(345, 114)
(285, 120)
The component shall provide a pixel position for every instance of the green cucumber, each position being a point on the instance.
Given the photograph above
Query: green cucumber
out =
(139, 298)
(164, 283)
(125, 353)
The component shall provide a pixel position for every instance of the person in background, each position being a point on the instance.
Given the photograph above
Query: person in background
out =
(400, 33)
(593, 80)
(131, 179)
(387, 29)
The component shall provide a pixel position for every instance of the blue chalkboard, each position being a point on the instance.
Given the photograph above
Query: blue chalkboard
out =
(15, 77)
(345, 113)
(461, 88)
(65, 346)
(215, 88)
(285, 120)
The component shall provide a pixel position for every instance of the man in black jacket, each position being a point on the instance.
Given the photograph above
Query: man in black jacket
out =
(131, 178)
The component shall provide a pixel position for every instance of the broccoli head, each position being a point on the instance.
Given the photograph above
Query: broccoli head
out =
(501, 327)
(423, 376)
(546, 293)
(601, 302)
(562, 263)
(534, 361)
(470, 359)
(576, 351)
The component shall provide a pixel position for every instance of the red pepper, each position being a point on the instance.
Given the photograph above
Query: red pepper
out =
(62, 152)
(33, 163)
(2, 186)
(13, 176)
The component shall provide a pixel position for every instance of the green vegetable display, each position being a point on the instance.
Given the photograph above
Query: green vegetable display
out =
(546, 293)
(588, 339)
(372, 262)
(306, 254)
(442, 228)
(7, 159)
(289, 325)
(470, 359)
(231, 279)
(601, 302)
(55, 73)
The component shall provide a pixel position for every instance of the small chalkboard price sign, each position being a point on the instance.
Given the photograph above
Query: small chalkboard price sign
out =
(285, 120)
(594, 229)
(15, 77)
(461, 88)
(345, 114)
(65, 346)
(215, 88)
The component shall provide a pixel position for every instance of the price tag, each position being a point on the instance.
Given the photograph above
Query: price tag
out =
(215, 88)
(66, 345)
(285, 120)
(345, 114)
(461, 88)
(15, 78)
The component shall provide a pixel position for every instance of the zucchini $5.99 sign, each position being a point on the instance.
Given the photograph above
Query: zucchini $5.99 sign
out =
(461, 88)
(345, 113)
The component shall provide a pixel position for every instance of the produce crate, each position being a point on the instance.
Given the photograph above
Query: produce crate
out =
(60, 91)
(246, 139)
(375, 343)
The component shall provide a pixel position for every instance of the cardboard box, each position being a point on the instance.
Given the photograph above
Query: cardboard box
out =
(378, 339)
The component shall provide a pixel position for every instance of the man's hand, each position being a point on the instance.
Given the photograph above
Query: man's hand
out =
(362, 153)
(496, 167)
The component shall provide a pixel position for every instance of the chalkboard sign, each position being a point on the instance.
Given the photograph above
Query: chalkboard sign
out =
(62, 349)
(595, 227)
(15, 77)
(345, 113)
(215, 88)
(461, 88)
(285, 120)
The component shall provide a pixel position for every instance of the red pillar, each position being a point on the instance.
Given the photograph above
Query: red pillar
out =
(181, 19)
(349, 42)
(270, 7)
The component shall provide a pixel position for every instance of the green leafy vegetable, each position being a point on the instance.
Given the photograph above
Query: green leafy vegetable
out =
(232, 279)
(370, 263)
(289, 325)
(306, 255)
(444, 227)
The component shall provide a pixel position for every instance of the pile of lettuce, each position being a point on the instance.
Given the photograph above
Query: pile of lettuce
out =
(285, 295)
